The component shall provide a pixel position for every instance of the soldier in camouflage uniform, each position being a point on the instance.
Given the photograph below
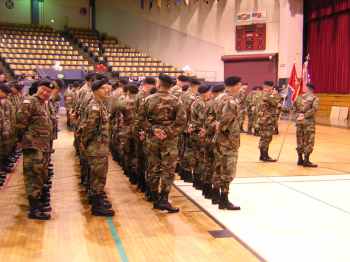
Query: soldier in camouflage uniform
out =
(277, 113)
(257, 102)
(227, 142)
(34, 131)
(210, 128)
(197, 135)
(181, 81)
(69, 97)
(163, 118)
(94, 144)
(5, 131)
(187, 155)
(305, 108)
(126, 109)
(266, 120)
(148, 84)
(242, 104)
(250, 110)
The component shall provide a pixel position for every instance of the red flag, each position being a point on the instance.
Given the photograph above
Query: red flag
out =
(294, 84)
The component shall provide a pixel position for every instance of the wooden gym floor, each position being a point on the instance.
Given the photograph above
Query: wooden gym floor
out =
(137, 232)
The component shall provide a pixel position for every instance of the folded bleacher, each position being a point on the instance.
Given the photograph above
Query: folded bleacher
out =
(25, 48)
(129, 62)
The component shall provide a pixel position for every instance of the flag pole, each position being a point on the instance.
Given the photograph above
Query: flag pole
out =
(284, 136)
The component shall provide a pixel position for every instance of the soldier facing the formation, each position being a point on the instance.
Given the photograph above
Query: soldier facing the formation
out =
(305, 108)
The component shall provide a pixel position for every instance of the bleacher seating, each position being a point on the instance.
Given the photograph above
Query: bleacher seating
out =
(129, 62)
(24, 48)
(327, 101)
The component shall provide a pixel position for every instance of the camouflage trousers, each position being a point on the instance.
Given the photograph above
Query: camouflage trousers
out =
(250, 120)
(98, 168)
(141, 159)
(266, 133)
(128, 145)
(225, 167)
(161, 156)
(242, 118)
(305, 138)
(35, 171)
(198, 159)
(187, 159)
(209, 162)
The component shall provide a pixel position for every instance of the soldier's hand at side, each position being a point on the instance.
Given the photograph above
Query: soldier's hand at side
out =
(142, 135)
(159, 133)
(202, 132)
(300, 117)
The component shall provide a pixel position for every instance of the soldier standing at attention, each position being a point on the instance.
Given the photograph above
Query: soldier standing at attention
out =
(242, 104)
(227, 142)
(163, 118)
(94, 141)
(34, 131)
(5, 131)
(266, 120)
(181, 81)
(250, 110)
(197, 126)
(257, 102)
(305, 108)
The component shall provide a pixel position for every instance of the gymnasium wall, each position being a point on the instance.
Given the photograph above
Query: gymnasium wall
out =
(199, 34)
(65, 12)
(20, 13)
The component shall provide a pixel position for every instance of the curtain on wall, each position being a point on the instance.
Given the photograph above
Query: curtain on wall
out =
(328, 43)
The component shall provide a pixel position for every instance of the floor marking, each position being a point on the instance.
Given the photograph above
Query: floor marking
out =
(313, 197)
(117, 240)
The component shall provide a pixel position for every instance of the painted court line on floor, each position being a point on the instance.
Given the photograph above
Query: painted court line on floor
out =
(117, 240)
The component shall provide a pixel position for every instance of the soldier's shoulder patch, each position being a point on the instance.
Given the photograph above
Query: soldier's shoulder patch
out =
(26, 101)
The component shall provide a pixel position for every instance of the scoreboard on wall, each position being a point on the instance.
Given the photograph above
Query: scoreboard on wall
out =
(251, 37)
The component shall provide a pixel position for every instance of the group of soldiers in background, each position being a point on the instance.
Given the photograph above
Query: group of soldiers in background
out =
(153, 129)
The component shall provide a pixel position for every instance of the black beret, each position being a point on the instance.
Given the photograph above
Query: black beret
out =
(47, 83)
(60, 83)
(123, 81)
(90, 76)
(16, 84)
(232, 80)
(166, 80)
(5, 88)
(132, 88)
(98, 84)
(311, 86)
(100, 77)
(183, 78)
(195, 81)
(149, 81)
(268, 83)
(76, 84)
(203, 89)
(218, 88)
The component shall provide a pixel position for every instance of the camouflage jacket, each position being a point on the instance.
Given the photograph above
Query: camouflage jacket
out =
(69, 96)
(250, 101)
(33, 125)
(198, 114)
(126, 110)
(162, 110)
(308, 105)
(187, 99)
(176, 91)
(267, 109)
(95, 129)
(5, 122)
(228, 132)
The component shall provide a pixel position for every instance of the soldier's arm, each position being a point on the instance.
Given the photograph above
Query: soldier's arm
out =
(180, 121)
(228, 114)
(197, 116)
(90, 125)
(313, 109)
(23, 118)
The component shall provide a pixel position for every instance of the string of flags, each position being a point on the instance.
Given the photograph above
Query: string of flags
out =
(168, 3)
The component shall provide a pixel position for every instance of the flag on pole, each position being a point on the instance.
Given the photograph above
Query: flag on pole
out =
(293, 85)
(305, 77)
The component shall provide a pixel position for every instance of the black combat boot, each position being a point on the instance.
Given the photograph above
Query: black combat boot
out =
(226, 204)
(300, 159)
(276, 131)
(98, 208)
(35, 210)
(307, 162)
(209, 192)
(45, 205)
(188, 176)
(262, 155)
(199, 184)
(215, 196)
(106, 202)
(205, 189)
(267, 158)
(154, 197)
(148, 194)
(163, 203)
(2, 178)
(133, 177)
